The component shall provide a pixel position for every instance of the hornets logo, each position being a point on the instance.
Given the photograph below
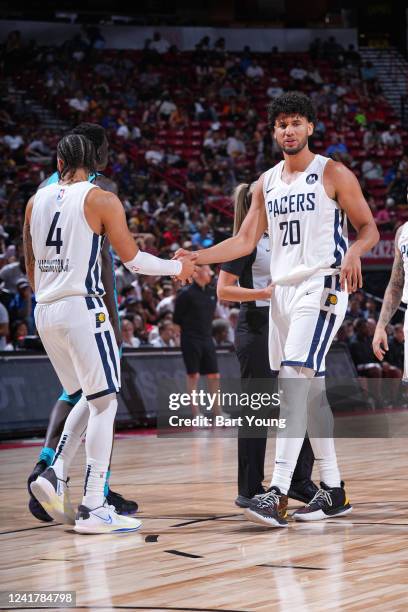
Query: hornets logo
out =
(100, 318)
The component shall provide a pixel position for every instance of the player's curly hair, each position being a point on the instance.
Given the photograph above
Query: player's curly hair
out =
(76, 151)
(291, 103)
(95, 133)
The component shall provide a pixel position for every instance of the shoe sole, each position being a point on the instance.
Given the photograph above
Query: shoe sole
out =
(40, 514)
(45, 494)
(319, 515)
(104, 529)
(239, 501)
(254, 517)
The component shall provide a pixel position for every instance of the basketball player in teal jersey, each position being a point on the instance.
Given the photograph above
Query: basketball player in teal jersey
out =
(97, 135)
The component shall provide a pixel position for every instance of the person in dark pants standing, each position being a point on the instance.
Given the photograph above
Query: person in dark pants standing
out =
(254, 289)
(194, 312)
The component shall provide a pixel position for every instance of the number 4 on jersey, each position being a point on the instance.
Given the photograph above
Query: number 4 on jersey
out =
(50, 240)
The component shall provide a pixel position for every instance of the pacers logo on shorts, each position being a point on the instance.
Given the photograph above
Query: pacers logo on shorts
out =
(331, 299)
(100, 318)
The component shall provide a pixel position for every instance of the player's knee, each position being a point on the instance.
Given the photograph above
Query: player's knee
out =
(194, 376)
(296, 372)
(103, 404)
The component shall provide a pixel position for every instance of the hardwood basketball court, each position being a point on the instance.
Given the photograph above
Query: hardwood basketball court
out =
(196, 551)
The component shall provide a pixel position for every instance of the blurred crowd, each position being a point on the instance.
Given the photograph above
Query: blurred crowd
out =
(184, 129)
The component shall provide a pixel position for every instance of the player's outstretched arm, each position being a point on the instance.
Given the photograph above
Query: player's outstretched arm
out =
(105, 214)
(252, 228)
(227, 289)
(28, 245)
(342, 185)
(392, 299)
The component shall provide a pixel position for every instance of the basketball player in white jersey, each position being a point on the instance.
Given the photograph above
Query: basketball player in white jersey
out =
(302, 202)
(395, 293)
(64, 229)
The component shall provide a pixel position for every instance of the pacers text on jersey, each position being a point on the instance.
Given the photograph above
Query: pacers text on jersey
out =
(296, 202)
(53, 265)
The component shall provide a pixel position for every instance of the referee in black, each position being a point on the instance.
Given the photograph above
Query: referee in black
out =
(194, 311)
(252, 273)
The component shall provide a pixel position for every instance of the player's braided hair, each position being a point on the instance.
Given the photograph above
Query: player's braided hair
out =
(94, 132)
(291, 103)
(76, 151)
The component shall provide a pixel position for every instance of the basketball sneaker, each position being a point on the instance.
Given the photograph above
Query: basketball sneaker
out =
(122, 506)
(34, 506)
(327, 503)
(244, 502)
(104, 519)
(303, 490)
(53, 495)
(269, 509)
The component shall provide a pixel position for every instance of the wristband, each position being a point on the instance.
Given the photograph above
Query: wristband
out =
(144, 263)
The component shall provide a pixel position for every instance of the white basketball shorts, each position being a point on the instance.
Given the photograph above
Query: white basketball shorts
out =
(303, 321)
(80, 342)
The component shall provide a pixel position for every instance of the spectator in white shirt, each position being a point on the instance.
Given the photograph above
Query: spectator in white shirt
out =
(79, 103)
(235, 145)
(166, 335)
(128, 338)
(372, 169)
(254, 70)
(390, 138)
(274, 90)
(154, 155)
(298, 74)
(159, 44)
(13, 141)
(167, 107)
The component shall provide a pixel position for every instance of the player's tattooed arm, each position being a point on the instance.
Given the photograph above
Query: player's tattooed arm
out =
(28, 245)
(393, 292)
(392, 299)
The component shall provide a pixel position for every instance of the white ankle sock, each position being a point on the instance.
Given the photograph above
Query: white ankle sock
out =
(94, 484)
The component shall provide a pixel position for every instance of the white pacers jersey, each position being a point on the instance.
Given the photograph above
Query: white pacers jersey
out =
(403, 248)
(307, 229)
(66, 250)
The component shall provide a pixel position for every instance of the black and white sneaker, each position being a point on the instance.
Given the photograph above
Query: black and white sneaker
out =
(303, 490)
(244, 502)
(34, 505)
(53, 495)
(269, 509)
(327, 503)
(123, 506)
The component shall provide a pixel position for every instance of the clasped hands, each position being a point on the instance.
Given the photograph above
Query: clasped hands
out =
(189, 268)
